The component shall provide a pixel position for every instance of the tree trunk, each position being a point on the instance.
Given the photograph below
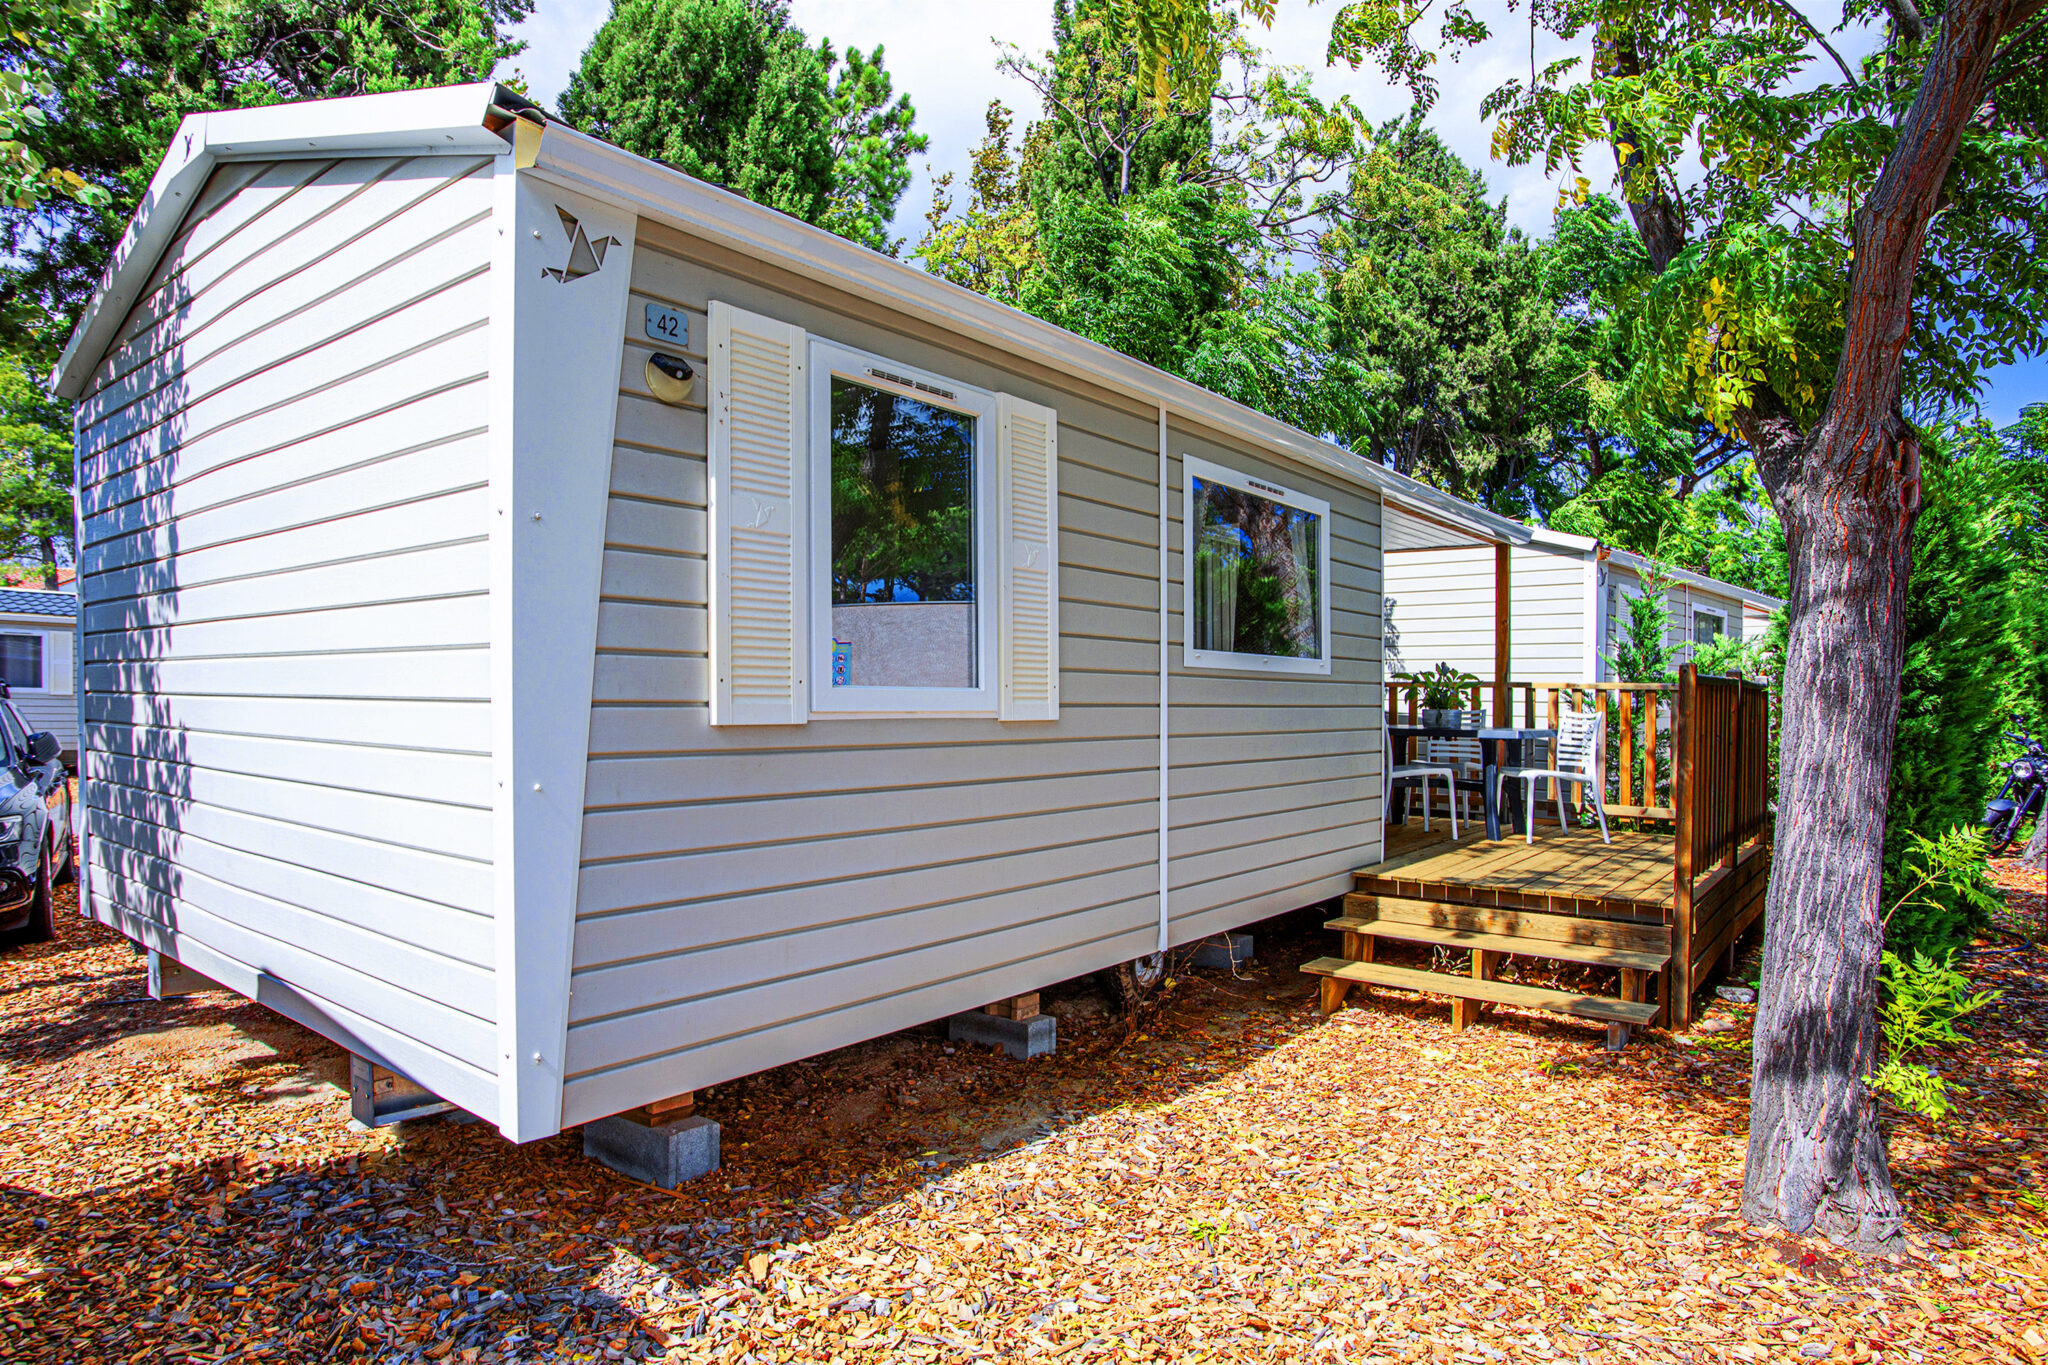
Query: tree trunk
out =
(1848, 493)
(1817, 1157)
(48, 545)
(2035, 855)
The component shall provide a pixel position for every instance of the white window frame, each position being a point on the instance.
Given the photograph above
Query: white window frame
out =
(1718, 615)
(829, 359)
(42, 633)
(1227, 661)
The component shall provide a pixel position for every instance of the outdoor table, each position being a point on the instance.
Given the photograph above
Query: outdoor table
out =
(1512, 736)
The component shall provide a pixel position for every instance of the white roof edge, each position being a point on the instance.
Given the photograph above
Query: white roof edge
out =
(1565, 540)
(1636, 563)
(450, 118)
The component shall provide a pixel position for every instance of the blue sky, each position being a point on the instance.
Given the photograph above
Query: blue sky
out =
(943, 53)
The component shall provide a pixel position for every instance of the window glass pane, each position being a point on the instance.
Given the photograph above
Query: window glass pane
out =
(1255, 575)
(21, 660)
(1705, 627)
(903, 591)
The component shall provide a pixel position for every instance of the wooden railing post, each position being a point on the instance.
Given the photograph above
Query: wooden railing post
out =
(1685, 810)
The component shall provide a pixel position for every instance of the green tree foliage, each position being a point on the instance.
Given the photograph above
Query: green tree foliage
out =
(731, 92)
(34, 34)
(113, 95)
(1456, 316)
(35, 466)
(1975, 595)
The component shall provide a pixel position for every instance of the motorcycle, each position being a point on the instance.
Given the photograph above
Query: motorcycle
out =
(2021, 799)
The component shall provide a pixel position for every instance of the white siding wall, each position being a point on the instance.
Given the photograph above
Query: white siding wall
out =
(751, 895)
(282, 474)
(1440, 606)
(1275, 777)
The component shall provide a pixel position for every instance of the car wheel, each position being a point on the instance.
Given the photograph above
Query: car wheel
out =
(41, 925)
(1127, 983)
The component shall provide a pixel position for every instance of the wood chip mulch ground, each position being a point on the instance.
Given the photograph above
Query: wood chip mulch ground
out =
(1228, 1176)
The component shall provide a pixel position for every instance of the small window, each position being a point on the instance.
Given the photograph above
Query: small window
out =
(903, 491)
(1707, 625)
(21, 660)
(1257, 574)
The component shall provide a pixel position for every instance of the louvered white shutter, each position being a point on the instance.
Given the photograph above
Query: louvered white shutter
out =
(1028, 629)
(760, 456)
(57, 662)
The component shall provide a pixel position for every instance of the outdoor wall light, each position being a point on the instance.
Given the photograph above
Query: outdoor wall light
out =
(669, 377)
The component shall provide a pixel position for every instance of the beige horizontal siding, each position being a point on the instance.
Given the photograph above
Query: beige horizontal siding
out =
(751, 895)
(1275, 777)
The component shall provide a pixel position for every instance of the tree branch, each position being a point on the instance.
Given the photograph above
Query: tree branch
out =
(1807, 24)
(1890, 230)
(1656, 217)
(1906, 19)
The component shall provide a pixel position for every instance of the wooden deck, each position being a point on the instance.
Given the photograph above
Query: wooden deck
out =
(1565, 872)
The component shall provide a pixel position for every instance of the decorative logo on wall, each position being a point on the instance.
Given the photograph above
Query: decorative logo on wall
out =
(586, 257)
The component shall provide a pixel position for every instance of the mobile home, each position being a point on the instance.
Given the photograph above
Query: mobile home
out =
(37, 663)
(1568, 606)
(574, 636)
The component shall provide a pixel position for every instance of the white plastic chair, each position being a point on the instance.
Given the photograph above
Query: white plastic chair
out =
(1417, 770)
(1579, 740)
(1466, 758)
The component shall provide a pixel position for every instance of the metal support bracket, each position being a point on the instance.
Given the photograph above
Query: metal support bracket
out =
(378, 1095)
(169, 978)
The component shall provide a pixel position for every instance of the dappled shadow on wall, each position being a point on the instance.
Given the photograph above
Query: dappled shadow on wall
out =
(136, 761)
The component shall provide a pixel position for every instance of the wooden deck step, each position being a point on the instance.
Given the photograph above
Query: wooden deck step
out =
(1591, 954)
(1632, 936)
(1604, 1008)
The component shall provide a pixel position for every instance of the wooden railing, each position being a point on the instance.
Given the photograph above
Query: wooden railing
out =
(1695, 753)
(1639, 724)
(1720, 854)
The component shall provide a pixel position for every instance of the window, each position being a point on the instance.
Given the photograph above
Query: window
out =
(1257, 568)
(903, 493)
(1707, 625)
(21, 660)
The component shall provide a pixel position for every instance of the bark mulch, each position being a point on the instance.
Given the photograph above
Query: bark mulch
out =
(1228, 1176)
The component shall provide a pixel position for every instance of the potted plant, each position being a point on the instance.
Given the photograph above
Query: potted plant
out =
(1443, 690)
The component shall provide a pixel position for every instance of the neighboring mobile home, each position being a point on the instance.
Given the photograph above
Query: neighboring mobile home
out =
(574, 636)
(36, 662)
(1568, 605)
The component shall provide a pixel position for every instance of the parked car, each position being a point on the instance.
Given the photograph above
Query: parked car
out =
(35, 828)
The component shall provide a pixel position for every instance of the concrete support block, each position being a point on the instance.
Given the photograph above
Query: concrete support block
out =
(1020, 1038)
(169, 978)
(1225, 952)
(664, 1154)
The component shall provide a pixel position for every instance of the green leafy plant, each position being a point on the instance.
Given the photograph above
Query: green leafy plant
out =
(1642, 645)
(1942, 872)
(1725, 654)
(1208, 1231)
(1923, 999)
(1443, 687)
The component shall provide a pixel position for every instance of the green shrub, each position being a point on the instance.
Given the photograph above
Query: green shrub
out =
(1923, 999)
(1958, 657)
